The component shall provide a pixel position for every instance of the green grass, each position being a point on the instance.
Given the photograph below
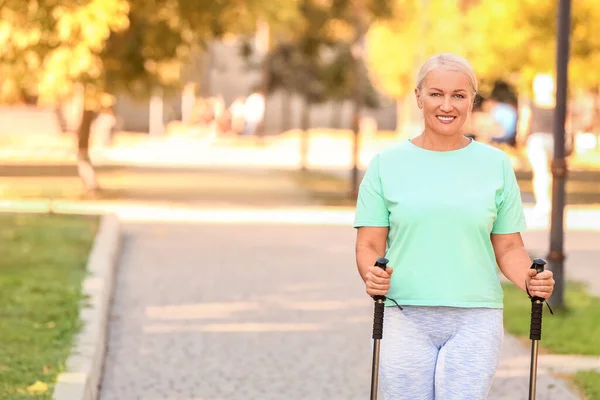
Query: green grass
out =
(589, 381)
(42, 264)
(572, 331)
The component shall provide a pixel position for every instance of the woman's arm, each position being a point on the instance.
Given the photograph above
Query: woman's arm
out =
(370, 245)
(515, 264)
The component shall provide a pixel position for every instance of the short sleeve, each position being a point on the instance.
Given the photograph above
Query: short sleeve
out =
(371, 209)
(510, 218)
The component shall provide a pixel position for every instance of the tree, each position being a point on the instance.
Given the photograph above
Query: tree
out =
(359, 15)
(397, 47)
(317, 57)
(49, 47)
(107, 47)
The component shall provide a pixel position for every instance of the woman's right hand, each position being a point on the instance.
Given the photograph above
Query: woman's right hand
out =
(377, 280)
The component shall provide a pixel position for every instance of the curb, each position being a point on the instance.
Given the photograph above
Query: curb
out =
(81, 380)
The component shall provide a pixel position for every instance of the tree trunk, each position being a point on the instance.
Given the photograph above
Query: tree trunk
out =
(84, 164)
(595, 125)
(304, 139)
(336, 114)
(208, 59)
(286, 110)
(360, 28)
(356, 112)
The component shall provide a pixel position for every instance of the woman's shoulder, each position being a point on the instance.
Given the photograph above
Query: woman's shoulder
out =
(487, 150)
(392, 151)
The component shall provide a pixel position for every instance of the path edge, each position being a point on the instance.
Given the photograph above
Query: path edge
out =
(82, 376)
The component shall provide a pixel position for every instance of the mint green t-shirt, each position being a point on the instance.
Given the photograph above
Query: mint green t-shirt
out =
(441, 208)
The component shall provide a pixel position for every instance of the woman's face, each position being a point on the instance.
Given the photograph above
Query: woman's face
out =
(446, 101)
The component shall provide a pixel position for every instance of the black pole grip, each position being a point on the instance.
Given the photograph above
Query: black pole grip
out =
(378, 320)
(535, 329)
(538, 265)
(379, 304)
(537, 306)
(381, 263)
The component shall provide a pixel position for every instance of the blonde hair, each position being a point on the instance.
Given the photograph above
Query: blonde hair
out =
(448, 62)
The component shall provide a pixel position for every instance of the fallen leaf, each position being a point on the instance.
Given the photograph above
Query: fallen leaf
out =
(38, 387)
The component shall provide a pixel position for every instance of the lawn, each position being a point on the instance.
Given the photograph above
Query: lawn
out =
(42, 264)
(572, 331)
(589, 381)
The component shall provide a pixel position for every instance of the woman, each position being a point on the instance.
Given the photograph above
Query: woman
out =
(538, 124)
(445, 210)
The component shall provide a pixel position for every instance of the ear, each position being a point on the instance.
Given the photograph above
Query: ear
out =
(473, 103)
(418, 96)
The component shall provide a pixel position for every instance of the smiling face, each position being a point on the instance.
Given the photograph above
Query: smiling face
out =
(446, 98)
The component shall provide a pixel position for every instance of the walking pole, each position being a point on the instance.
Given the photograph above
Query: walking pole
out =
(535, 331)
(377, 332)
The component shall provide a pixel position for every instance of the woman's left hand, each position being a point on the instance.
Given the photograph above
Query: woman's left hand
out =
(540, 285)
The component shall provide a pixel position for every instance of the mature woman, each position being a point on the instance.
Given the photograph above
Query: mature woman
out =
(446, 211)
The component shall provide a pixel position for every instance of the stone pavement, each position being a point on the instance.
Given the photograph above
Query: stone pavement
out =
(208, 310)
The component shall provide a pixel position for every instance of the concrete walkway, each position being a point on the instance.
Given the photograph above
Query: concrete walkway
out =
(254, 311)
(241, 303)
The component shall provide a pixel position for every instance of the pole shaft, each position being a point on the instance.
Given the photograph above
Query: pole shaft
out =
(533, 369)
(556, 256)
(375, 371)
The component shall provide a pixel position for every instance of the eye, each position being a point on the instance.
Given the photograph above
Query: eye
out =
(435, 94)
(460, 96)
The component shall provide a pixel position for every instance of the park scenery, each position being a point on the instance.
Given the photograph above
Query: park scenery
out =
(178, 183)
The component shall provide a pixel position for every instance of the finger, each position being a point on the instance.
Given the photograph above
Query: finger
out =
(543, 295)
(531, 273)
(544, 289)
(378, 279)
(544, 275)
(378, 286)
(544, 281)
(541, 288)
(376, 271)
(389, 270)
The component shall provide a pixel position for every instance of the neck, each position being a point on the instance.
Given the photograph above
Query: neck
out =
(433, 141)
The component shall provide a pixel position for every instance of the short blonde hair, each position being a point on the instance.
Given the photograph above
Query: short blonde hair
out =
(448, 62)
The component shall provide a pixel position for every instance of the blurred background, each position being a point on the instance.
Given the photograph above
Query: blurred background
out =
(242, 129)
(318, 85)
(298, 84)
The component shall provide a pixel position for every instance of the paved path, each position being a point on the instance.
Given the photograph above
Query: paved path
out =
(254, 311)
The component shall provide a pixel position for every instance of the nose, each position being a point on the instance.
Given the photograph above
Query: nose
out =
(446, 105)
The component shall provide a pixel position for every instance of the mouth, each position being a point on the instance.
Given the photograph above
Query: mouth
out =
(446, 119)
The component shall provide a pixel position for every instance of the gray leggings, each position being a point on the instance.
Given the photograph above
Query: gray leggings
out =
(441, 353)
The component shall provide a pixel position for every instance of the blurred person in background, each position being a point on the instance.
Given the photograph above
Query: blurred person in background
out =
(503, 106)
(506, 116)
(254, 110)
(538, 123)
(236, 112)
(446, 211)
(104, 126)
